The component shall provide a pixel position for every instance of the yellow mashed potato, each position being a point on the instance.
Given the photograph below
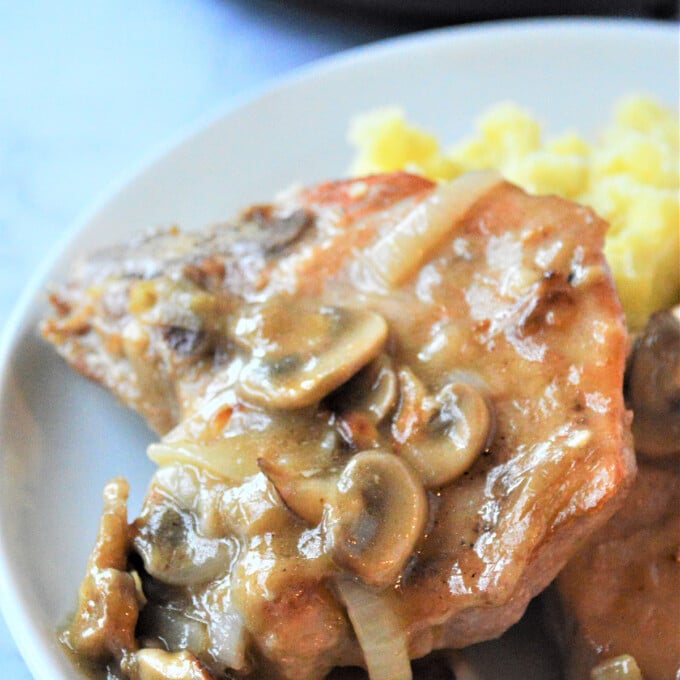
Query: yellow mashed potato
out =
(630, 176)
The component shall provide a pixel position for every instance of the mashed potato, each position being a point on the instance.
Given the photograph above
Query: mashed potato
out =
(630, 176)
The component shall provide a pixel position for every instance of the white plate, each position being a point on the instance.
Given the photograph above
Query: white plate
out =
(61, 437)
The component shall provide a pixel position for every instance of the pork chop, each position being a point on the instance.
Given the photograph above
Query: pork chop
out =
(392, 410)
(620, 595)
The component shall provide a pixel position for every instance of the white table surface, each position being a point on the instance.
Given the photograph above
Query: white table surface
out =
(89, 88)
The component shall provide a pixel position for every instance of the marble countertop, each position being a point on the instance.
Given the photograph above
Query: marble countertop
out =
(88, 89)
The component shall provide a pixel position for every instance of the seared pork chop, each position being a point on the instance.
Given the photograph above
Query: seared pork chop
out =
(396, 410)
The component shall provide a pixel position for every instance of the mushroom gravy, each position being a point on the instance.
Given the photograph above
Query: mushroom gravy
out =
(380, 399)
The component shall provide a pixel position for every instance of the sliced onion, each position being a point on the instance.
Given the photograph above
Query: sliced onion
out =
(297, 439)
(234, 459)
(378, 630)
(228, 637)
(401, 251)
(622, 667)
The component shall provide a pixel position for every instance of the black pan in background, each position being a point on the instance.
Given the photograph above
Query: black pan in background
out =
(458, 11)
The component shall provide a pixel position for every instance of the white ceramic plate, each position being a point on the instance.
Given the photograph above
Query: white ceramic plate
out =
(62, 438)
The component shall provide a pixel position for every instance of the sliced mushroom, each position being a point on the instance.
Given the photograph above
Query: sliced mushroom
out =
(110, 597)
(305, 495)
(456, 428)
(274, 232)
(653, 386)
(168, 622)
(172, 549)
(377, 517)
(157, 664)
(187, 343)
(372, 391)
(300, 352)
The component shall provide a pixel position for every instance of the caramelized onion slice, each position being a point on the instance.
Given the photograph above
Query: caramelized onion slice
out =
(305, 495)
(400, 252)
(380, 633)
(233, 460)
(228, 635)
(110, 597)
(300, 440)
(622, 667)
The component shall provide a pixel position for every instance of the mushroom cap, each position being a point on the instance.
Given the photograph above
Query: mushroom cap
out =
(377, 517)
(300, 352)
(441, 436)
(372, 391)
(174, 551)
(653, 386)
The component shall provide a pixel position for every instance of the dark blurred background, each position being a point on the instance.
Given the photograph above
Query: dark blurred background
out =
(429, 13)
